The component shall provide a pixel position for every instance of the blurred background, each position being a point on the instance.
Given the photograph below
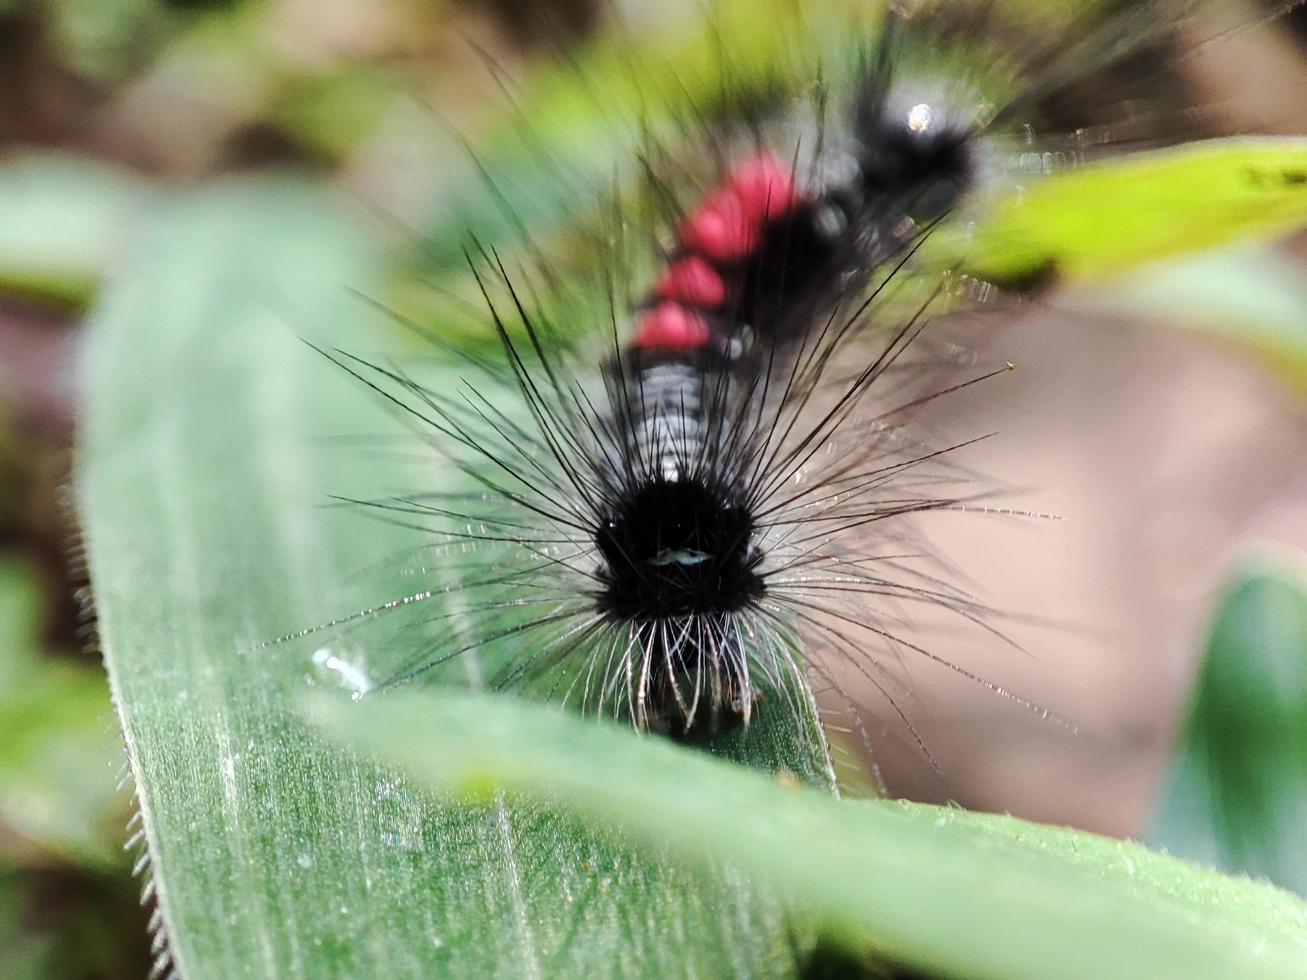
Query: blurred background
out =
(1162, 418)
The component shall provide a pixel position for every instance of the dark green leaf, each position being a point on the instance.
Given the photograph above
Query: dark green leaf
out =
(1239, 793)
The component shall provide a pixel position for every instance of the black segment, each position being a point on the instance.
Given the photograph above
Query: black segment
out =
(677, 548)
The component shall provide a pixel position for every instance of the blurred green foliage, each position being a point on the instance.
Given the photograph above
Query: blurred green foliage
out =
(1111, 217)
(63, 221)
(1238, 797)
(67, 903)
(57, 770)
(24, 953)
(108, 41)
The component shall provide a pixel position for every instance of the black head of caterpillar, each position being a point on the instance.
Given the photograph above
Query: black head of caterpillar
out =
(675, 533)
(676, 537)
(677, 548)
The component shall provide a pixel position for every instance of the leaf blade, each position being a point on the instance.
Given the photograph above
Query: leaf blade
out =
(966, 894)
(1108, 217)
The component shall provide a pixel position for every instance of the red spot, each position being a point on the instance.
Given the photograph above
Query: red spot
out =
(727, 225)
(723, 230)
(719, 228)
(765, 188)
(694, 282)
(671, 327)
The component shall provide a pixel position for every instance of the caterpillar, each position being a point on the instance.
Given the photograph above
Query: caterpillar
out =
(722, 512)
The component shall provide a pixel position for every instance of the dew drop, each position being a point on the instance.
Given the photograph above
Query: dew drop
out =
(342, 672)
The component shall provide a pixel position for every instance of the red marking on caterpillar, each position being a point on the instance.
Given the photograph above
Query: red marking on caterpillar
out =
(716, 240)
(693, 282)
(672, 326)
(726, 227)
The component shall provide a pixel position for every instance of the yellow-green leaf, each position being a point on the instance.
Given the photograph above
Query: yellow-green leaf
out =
(1107, 217)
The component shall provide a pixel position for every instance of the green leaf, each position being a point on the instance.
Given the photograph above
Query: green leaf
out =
(1105, 218)
(105, 40)
(1239, 791)
(57, 782)
(62, 222)
(942, 889)
(201, 466)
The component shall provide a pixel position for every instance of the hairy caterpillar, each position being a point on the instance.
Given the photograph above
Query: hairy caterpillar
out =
(723, 508)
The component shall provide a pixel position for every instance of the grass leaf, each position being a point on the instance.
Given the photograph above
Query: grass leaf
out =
(960, 893)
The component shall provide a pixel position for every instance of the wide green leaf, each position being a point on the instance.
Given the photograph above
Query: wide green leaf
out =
(211, 436)
(1238, 796)
(964, 894)
(1108, 217)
